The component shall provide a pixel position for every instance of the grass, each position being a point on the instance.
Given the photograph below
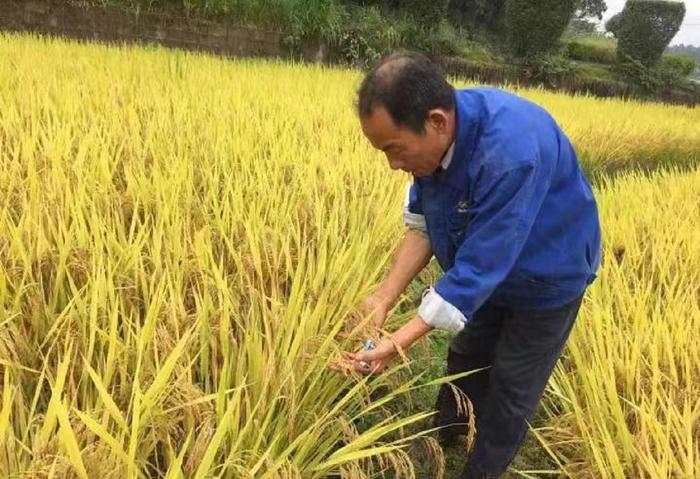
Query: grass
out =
(588, 70)
(591, 48)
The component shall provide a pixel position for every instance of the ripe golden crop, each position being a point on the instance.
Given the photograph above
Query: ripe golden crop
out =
(183, 239)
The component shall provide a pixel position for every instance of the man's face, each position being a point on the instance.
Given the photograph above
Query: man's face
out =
(418, 154)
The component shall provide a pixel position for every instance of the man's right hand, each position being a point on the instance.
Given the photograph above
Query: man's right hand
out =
(411, 256)
(377, 306)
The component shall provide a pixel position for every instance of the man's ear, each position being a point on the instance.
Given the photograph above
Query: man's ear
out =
(438, 120)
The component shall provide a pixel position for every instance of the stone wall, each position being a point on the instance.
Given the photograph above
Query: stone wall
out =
(58, 17)
(115, 25)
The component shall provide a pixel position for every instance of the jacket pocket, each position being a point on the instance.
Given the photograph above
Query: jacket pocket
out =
(458, 221)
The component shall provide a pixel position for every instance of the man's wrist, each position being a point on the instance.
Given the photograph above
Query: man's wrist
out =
(387, 294)
(411, 332)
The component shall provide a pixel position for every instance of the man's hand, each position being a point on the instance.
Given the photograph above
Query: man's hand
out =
(387, 348)
(411, 256)
(374, 360)
(377, 306)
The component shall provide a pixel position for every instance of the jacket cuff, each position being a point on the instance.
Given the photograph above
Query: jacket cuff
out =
(414, 221)
(440, 314)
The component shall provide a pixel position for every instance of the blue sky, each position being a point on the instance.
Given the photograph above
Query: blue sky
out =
(690, 30)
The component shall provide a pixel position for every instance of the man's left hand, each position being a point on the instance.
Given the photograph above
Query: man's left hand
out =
(374, 360)
(385, 350)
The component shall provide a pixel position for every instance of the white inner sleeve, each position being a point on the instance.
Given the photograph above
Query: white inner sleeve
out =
(447, 159)
(413, 220)
(440, 314)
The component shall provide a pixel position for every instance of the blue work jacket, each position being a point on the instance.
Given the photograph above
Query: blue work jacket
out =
(512, 219)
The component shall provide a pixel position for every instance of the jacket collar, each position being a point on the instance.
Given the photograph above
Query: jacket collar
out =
(468, 112)
(447, 158)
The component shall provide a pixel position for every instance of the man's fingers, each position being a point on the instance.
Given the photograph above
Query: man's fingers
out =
(364, 367)
(363, 362)
(343, 363)
(376, 367)
(367, 356)
(335, 367)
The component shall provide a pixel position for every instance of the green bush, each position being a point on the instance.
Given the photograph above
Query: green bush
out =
(547, 69)
(594, 49)
(427, 14)
(298, 18)
(535, 26)
(682, 65)
(480, 52)
(365, 37)
(485, 14)
(594, 71)
(444, 40)
(581, 26)
(636, 73)
(663, 77)
(645, 28)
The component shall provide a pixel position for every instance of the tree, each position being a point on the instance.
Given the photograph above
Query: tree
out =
(427, 14)
(644, 29)
(581, 26)
(535, 26)
(591, 9)
(586, 17)
(478, 13)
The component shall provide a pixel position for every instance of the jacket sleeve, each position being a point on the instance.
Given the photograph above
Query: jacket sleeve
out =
(413, 216)
(505, 205)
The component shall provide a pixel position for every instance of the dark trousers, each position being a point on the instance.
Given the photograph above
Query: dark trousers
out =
(521, 348)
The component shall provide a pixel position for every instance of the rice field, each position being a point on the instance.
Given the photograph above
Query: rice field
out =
(184, 242)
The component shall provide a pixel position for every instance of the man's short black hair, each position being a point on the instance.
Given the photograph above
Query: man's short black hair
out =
(408, 85)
